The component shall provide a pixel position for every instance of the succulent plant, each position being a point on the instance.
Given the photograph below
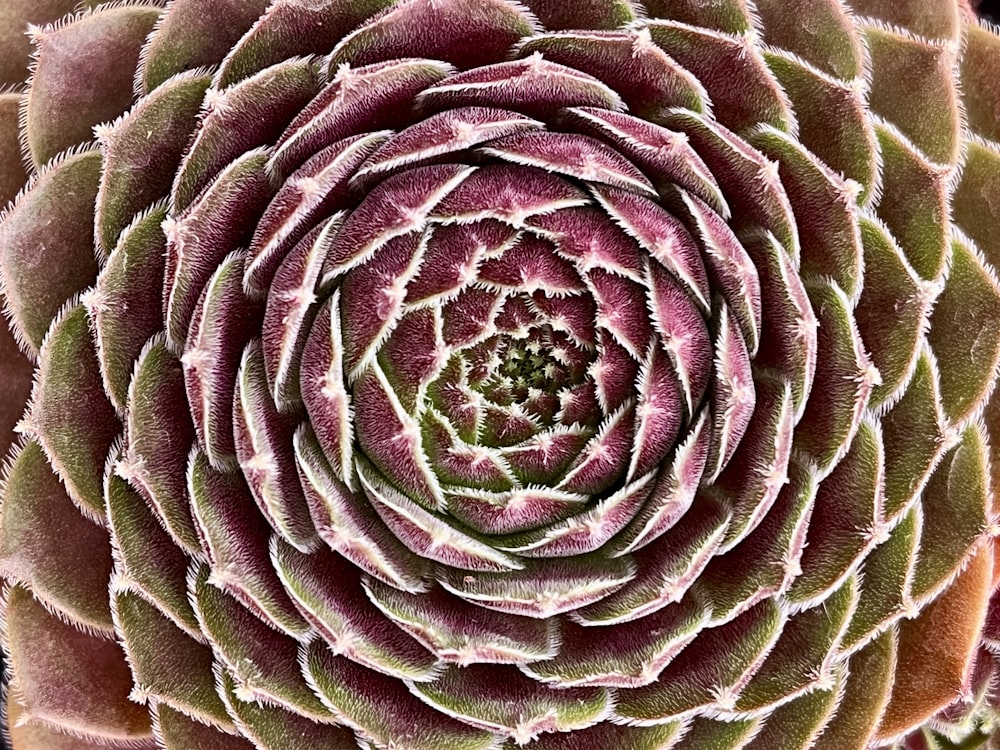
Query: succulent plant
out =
(470, 374)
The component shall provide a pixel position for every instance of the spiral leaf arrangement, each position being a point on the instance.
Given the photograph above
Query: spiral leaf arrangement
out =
(466, 374)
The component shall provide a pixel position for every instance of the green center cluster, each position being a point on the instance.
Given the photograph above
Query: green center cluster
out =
(533, 369)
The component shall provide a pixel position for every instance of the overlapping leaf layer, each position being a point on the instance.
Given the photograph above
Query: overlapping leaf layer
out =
(470, 374)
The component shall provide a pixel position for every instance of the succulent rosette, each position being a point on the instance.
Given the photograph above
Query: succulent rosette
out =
(472, 374)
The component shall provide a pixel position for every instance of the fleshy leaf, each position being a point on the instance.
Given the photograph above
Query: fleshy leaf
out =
(678, 479)
(934, 21)
(237, 544)
(503, 700)
(69, 413)
(730, 268)
(67, 99)
(360, 697)
(845, 377)
(15, 386)
(449, 132)
(49, 546)
(788, 338)
(667, 567)
(956, 509)
(805, 654)
(742, 90)
(235, 120)
(46, 250)
(727, 16)
(15, 46)
(888, 570)
(587, 531)
(348, 524)
(913, 436)
(981, 97)
(322, 382)
(575, 156)
(313, 191)
(724, 735)
(797, 722)
(223, 323)
(14, 174)
(665, 156)
(465, 33)
(395, 209)
(159, 438)
(734, 394)
(893, 341)
(605, 735)
(262, 661)
(710, 672)
(291, 27)
(976, 201)
(176, 730)
(167, 664)
(749, 181)
(327, 589)
(534, 87)
(766, 560)
(628, 655)
(390, 437)
(462, 633)
(68, 679)
(866, 694)
(206, 233)
(846, 518)
(967, 346)
(949, 629)
(511, 511)
(833, 121)
(662, 236)
(371, 299)
(589, 14)
(124, 314)
(148, 560)
(545, 587)
(752, 481)
(290, 315)
(823, 205)
(27, 733)
(272, 728)
(366, 99)
(685, 339)
(193, 34)
(262, 436)
(914, 203)
(429, 534)
(913, 86)
(142, 150)
(648, 80)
